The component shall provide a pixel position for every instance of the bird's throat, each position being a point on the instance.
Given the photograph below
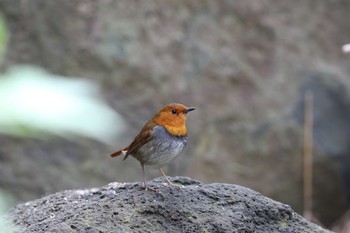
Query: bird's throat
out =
(176, 130)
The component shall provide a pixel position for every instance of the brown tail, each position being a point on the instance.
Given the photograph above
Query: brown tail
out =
(119, 152)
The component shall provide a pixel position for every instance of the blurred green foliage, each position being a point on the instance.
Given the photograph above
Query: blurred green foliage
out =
(6, 224)
(5, 202)
(3, 36)
(35, 103)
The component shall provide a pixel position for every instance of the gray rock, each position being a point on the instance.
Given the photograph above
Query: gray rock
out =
(125, 207)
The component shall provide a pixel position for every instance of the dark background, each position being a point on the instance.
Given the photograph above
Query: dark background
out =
(244, 65)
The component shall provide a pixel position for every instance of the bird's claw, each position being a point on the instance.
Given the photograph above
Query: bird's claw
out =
(154, 189)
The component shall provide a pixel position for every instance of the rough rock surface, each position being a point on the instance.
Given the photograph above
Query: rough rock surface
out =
(125, 207)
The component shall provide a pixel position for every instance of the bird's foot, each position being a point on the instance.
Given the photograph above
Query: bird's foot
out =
(154, 189)
(170, 184)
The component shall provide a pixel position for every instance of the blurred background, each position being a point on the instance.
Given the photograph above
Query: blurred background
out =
(245, 66)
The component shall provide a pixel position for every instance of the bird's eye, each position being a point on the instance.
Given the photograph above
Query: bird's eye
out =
(173, 111)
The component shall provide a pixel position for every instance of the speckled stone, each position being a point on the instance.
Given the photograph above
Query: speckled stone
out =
(126, 207)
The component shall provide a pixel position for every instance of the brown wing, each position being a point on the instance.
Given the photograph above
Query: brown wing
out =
(143, 137)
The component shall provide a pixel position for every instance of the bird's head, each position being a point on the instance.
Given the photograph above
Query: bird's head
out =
(173, 118)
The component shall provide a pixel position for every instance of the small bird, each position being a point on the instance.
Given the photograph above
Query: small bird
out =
(160, 140)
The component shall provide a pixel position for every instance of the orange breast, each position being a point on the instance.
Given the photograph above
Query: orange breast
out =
(174, 124)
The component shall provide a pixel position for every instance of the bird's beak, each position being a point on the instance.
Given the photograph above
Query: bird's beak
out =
(189, 110)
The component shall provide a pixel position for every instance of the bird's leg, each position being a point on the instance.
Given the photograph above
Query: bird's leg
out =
(144, 176)
(169, 182)
(145, 186)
